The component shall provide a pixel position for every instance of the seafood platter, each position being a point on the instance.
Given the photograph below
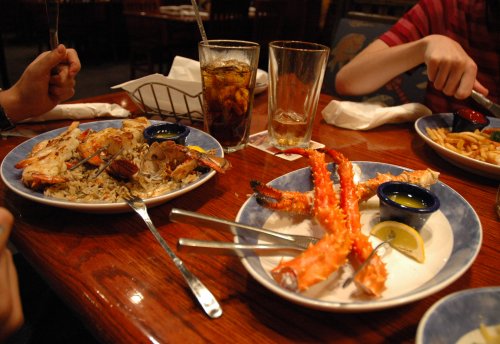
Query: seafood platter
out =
(336, 201)
(92, 166)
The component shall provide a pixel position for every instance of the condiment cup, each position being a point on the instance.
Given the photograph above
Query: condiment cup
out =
(407, 203)
(166, 132)
(468, 120)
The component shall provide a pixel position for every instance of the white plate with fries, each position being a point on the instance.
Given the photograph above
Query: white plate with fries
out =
(456, 153)
(452, 238)
(12, 176)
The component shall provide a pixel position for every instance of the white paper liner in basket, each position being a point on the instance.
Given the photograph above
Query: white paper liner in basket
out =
(169, 98)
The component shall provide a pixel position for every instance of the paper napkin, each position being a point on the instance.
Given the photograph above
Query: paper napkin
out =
(81, 111)
(261, 141)
(364, 116)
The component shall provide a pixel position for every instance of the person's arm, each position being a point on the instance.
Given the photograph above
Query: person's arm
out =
(11, 314)
(38, 90)
(448, 66)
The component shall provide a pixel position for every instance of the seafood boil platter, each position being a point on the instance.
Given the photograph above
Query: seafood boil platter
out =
(27, 186)
(452, 238)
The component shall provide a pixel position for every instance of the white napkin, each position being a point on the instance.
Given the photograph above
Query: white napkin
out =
(81, 111)
(364, 116)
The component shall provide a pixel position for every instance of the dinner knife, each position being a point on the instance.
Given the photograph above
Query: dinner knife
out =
(231, 248)
(52, 10)
(488, 104)
(184, 216)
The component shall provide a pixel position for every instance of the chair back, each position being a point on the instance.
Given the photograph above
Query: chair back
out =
(229, 19)
(141, 5)
(267, 25)
(388, 11)
(350, 38)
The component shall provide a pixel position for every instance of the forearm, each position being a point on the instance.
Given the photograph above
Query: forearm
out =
(9, 102)
(377, 65)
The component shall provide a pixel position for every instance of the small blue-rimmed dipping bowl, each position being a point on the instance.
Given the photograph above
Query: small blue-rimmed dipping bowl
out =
(407, 203)
(166, 132)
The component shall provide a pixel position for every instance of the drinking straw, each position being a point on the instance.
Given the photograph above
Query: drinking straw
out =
(200, 22)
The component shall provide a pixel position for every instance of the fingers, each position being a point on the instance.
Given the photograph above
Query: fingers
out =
(62, 85)
(453, 77)
(73, 61)
(6, 221)
(11, 314)
(449, 67)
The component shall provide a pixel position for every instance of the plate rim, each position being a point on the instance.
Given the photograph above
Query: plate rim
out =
(101, 207)
(443, 301)
(482, 168)
(370, 305)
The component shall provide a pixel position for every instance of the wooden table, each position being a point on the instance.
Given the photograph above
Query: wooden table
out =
(115, 276)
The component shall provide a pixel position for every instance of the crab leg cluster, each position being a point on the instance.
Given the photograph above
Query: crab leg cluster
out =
(340, 218)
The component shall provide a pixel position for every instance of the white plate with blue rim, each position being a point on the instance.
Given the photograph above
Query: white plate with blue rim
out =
(12, 176)
(464, 317)
(445, 120)
(452, 238)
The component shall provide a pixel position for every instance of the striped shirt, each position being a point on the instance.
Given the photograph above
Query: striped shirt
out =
(465, 22)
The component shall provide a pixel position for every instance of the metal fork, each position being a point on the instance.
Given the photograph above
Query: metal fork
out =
(368, 259)
(184, 216)
(200, 291)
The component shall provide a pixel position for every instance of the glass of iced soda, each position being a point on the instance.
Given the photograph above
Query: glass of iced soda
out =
(228, 70)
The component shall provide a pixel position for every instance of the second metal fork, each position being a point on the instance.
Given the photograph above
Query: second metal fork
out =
(200, 291)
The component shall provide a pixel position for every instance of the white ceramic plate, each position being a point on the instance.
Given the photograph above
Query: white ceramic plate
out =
(452, 238)
(444, 120)
(12, 176)
(456, 318)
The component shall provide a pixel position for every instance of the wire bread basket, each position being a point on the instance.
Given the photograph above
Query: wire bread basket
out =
(169, 103)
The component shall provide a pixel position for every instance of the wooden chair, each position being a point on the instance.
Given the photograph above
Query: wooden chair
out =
(228, 19)
(3, 65)
(354, 31)
(147, 47)
(267, 25)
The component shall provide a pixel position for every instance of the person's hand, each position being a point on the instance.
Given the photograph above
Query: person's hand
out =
(38, 90)
(449, 67)
(11, 314)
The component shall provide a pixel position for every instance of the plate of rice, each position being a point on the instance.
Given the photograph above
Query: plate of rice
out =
(83, 193)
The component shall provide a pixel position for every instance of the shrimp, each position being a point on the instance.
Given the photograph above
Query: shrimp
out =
(318, 261)
(47, 162)
(108, 140)
(177, 161)
(111, 140)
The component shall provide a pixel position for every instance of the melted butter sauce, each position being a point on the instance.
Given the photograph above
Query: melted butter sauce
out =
(407, 200)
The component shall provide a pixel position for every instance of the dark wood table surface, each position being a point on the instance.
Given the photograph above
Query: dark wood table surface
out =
(116, 277)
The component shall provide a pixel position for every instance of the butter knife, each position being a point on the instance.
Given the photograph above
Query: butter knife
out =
(488, 104)
(52, 9)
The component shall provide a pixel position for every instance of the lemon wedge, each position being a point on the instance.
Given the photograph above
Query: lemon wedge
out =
(197, 148)
(406, 239)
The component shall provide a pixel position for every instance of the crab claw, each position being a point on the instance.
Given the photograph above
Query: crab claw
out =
(292, 201)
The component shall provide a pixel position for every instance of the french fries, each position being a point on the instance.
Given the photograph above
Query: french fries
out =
(476, 145)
